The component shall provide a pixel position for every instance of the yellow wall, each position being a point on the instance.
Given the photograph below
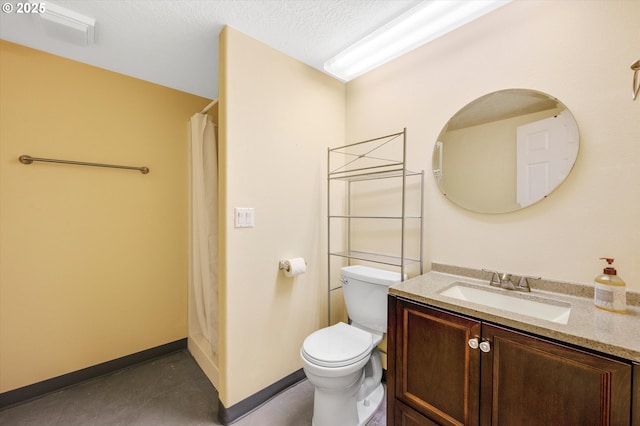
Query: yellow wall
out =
(277, 119)
(581, 53)
(93, 262)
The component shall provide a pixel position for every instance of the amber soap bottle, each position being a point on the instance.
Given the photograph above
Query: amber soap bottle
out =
(610, 291)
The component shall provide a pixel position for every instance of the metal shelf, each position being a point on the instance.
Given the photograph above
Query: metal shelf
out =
(371, 173)
(375, 257)
(372, 217)
(379, 158)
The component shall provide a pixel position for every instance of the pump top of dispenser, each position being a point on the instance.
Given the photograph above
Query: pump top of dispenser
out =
(609, 270)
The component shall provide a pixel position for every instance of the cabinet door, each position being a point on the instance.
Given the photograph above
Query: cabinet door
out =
(436, 372)
(530, 381)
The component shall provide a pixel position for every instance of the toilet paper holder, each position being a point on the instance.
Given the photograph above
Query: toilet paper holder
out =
(284, 266)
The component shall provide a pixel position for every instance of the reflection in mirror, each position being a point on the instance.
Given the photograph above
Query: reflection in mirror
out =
(505, 151)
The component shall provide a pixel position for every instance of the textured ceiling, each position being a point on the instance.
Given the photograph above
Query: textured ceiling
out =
(175, 42)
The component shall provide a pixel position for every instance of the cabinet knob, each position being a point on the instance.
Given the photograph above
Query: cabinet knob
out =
(473, 343)
(485, 346)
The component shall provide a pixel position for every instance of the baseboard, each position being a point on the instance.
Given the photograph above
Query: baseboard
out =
(226, 416)
(39, 389)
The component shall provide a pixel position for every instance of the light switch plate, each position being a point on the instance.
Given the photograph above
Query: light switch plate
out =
(244, 217)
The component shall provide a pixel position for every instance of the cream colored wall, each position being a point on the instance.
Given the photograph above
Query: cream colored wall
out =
(93, 261)
(277, 119)
(577, 51)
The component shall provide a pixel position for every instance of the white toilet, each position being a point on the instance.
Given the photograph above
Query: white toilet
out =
(342, 361)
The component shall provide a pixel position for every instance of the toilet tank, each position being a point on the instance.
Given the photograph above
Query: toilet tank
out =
(365, 294)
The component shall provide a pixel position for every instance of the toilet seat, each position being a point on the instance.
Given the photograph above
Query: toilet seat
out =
(337, 346)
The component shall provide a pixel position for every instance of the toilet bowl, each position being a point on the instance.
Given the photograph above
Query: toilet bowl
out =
(343, 364)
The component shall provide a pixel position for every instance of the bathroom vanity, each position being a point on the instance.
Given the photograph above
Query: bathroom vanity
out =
(462, 362)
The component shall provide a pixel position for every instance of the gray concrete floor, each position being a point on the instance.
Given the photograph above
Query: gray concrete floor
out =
(168, 391)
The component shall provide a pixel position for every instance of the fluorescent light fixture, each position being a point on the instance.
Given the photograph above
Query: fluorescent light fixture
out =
(419, 25)
(67, 25)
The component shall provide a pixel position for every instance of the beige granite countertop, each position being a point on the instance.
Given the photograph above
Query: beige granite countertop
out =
(610, 333)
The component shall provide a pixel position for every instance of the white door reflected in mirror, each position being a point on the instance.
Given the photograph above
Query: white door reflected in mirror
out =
(546, 151)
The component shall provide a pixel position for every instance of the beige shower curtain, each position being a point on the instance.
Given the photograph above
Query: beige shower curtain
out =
(204, 228)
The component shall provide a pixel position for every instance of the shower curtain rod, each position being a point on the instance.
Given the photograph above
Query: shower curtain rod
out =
(208, 107)
(27, 159)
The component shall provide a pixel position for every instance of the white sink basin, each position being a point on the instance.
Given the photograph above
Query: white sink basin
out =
(519, 303)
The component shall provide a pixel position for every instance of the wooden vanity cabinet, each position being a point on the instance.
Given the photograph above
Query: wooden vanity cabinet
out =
(434, 376)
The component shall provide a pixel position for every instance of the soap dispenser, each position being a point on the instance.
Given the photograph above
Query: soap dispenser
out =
(610, 291)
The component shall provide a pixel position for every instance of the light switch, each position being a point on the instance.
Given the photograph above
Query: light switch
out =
(249, 217)
(239, 217)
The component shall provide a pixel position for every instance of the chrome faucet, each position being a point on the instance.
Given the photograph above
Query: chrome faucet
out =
(509, 281)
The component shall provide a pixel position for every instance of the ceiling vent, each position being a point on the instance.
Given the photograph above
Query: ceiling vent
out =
(66, 25)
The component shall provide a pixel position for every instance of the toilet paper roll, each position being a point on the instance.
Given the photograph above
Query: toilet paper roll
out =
(295, 266)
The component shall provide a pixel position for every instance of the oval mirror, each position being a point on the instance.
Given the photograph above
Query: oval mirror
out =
(505, 151)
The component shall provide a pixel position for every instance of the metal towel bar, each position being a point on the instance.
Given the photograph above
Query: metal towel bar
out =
(27, 159)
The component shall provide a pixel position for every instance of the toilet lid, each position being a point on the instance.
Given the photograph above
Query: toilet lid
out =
(337, 346)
